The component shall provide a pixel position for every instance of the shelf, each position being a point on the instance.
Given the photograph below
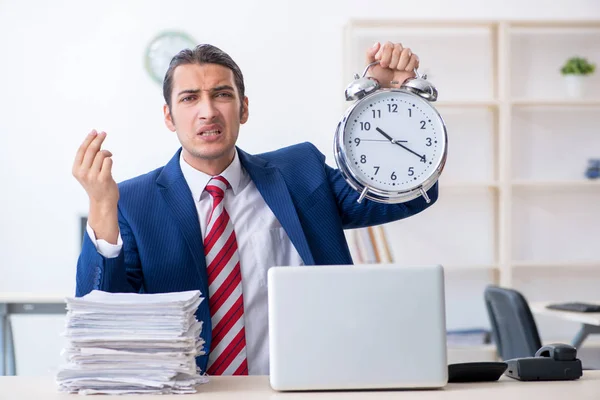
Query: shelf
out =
(480, 267)
(525, 184)
(466, 103)
(557, 265)
(526, 26)
(556, 102)
(556, 30)
(469, 185)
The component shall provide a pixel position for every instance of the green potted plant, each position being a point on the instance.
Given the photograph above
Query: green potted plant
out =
(575, 70)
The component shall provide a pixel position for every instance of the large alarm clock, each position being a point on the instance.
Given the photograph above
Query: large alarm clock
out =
(391, 144)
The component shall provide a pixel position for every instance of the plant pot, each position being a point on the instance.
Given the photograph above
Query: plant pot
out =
(575, 85)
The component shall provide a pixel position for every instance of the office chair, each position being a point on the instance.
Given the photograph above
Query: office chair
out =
(513, 328)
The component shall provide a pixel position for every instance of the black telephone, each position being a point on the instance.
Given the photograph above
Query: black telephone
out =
(553, 362)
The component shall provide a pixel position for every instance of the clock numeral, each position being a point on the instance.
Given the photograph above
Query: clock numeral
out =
(393, 108)
(428, 142)
(376, 113)
(422, 124)
(394, 177)
(423, 159)
(357, 141)
(363, 159)
(411, 171)
(365, 126)
(376, 170)
(410, 112)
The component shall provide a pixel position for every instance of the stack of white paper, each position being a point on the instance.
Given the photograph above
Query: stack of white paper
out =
(132, 343)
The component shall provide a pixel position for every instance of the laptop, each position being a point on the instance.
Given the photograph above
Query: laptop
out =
(357, 327)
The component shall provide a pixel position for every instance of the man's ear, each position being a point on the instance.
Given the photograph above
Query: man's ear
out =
(245, 111)
(169, 122)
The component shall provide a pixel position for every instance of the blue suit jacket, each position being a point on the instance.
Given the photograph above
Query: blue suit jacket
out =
(162, 243)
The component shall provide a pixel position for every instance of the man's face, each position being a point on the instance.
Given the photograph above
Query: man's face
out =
(205, 113)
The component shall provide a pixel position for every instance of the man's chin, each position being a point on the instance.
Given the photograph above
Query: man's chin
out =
(212, 155)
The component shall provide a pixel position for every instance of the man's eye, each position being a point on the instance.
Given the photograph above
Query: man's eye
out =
(224, 94)
(187, 98)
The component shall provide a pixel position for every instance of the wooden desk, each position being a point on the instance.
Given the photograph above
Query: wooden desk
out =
(590, 322)
(22, 303)
(257, 387)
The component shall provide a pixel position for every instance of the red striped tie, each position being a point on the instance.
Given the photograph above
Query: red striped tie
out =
(228, 347)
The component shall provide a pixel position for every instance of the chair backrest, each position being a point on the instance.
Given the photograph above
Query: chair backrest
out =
(513, 328)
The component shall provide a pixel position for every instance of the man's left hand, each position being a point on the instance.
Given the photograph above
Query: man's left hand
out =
(396, 63)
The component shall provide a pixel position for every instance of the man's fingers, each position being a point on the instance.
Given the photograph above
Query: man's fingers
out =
(92, 150)
(105, 171)
(98, 160)
(395, 55)
(413, 63)
(83, 147)
(386, 54)
(372, 51)
(404, 59)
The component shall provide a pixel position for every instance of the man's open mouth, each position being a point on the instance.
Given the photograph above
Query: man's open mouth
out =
(212, 132)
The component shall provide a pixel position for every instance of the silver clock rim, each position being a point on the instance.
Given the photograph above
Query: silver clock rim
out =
(375, 194)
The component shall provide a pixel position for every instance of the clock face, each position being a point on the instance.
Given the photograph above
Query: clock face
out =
(161, 50)
(394, 141)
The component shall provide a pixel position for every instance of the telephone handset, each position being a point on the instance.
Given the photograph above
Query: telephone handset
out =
(558, 352)
(556, 361)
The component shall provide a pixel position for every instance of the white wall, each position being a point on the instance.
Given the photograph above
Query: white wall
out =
(69, 66)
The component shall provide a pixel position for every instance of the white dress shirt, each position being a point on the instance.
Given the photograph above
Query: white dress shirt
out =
(262, 243)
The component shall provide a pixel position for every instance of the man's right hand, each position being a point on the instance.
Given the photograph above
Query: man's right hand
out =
(92, 169)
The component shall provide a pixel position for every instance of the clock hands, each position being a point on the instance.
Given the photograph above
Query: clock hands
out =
(379, 140)
(385, 135)
(398, 142)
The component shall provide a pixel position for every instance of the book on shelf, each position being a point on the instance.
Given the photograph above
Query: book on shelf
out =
(370, 246)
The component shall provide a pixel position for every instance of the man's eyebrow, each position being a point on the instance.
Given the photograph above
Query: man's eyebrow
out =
(215, 89)
(222, 87)
(189, 91)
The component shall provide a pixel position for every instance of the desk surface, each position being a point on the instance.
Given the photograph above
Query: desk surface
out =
(581, 317)
(257, 387)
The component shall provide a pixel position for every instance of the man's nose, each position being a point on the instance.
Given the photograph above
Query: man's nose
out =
(207, 110)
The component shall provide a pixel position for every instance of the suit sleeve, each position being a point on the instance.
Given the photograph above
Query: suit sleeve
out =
(118, 275)
(368, 213)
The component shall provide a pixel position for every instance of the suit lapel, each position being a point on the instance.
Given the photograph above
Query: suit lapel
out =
(177, 195)
(274, 190)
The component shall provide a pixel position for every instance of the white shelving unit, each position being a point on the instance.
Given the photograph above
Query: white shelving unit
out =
(515, 208)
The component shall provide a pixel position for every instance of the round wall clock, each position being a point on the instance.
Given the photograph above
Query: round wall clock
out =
(161, 50)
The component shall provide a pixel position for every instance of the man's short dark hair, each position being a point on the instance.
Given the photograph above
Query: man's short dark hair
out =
(203, 54)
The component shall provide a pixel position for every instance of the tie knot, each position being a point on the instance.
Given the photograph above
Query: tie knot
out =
(217, 186)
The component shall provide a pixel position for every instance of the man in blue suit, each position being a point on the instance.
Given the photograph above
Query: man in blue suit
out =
(215, 218)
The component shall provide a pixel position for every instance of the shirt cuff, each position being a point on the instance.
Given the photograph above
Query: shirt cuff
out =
(104, 248)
